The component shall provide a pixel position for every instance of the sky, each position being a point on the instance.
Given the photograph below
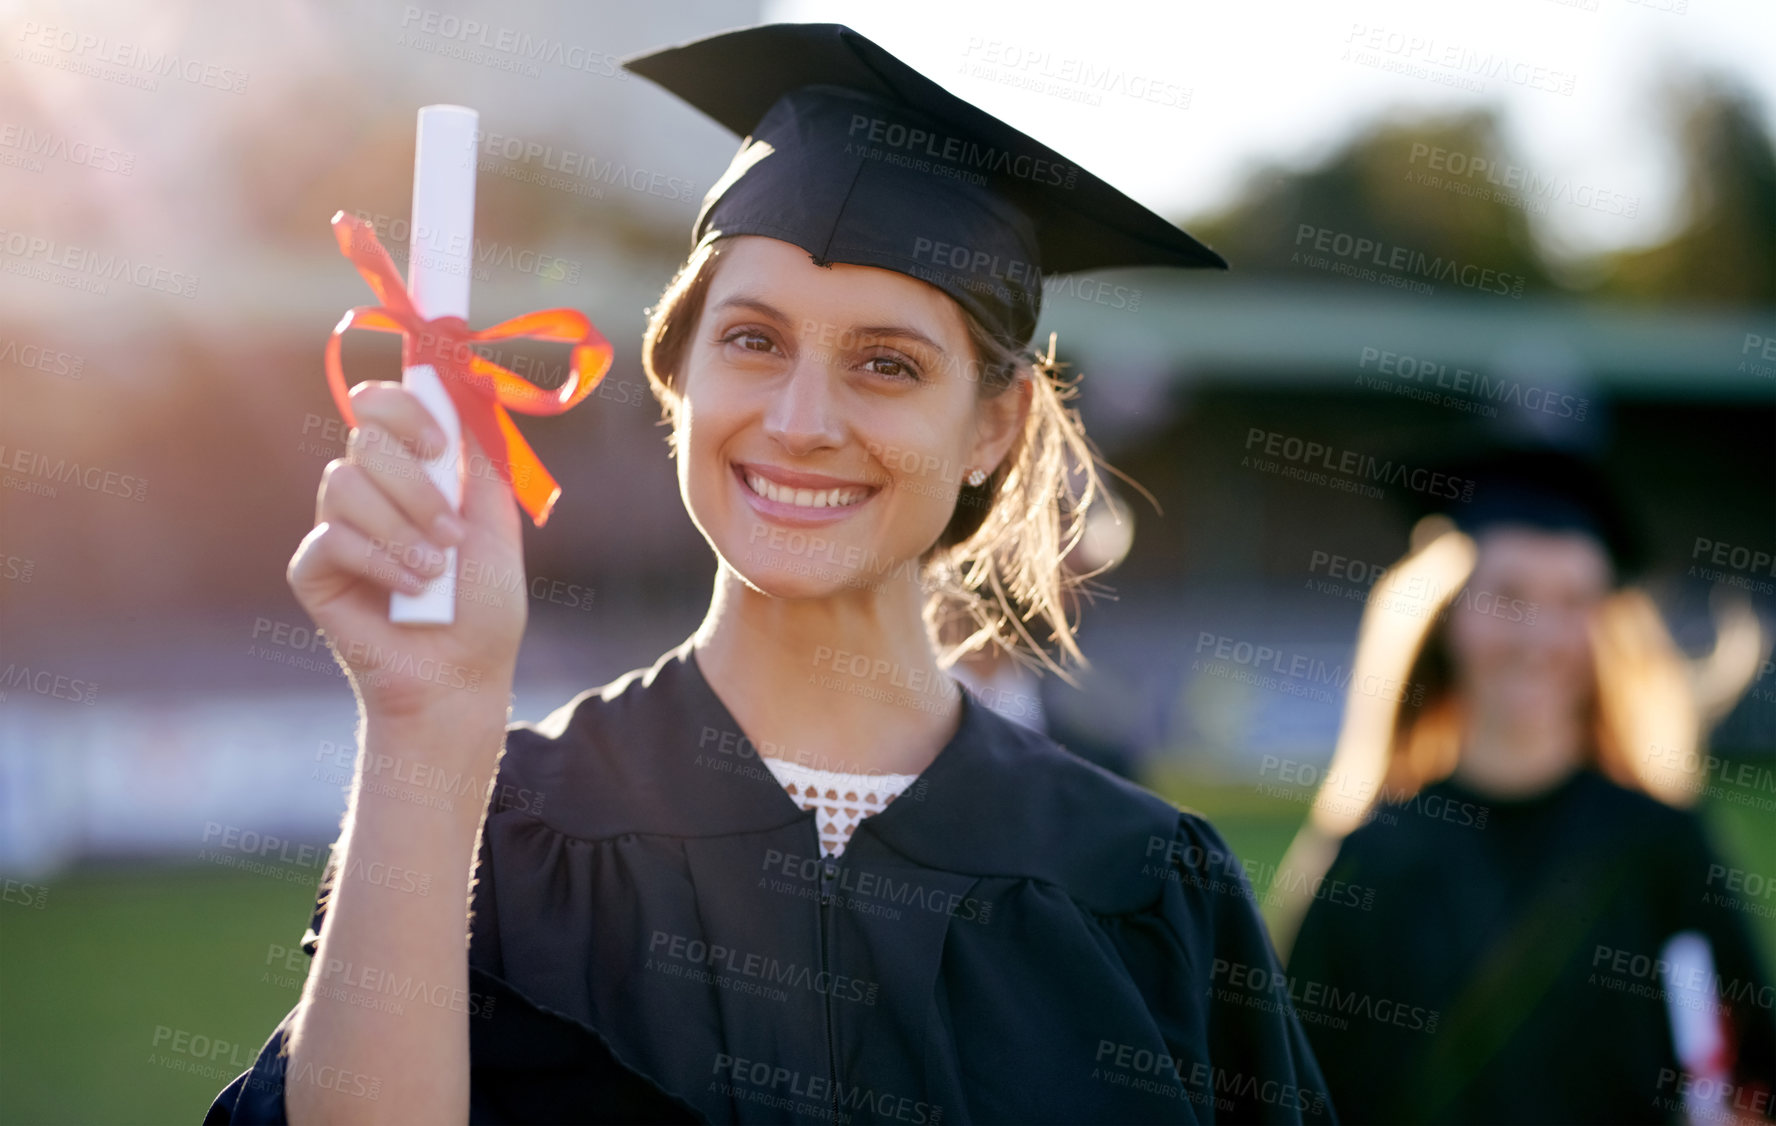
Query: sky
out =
(1177, 102)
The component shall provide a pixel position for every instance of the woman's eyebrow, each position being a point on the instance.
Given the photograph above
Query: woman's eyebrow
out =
(765, 308)
(905, 331)
(744, 301)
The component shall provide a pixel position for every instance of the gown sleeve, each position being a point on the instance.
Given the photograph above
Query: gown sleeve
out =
(528, 1063)
(1260, 1066)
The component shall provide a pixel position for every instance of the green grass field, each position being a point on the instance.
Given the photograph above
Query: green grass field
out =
(106, 989)
(97, 986)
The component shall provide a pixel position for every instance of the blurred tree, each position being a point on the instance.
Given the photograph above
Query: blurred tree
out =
(1725, 252)
(1438, 187)
(1449, 187)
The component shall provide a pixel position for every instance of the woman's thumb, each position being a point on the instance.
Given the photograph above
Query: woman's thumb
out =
(487, 497)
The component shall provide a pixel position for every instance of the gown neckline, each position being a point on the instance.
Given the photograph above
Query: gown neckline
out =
(943, 764)
(999, 800)
(1545, 798)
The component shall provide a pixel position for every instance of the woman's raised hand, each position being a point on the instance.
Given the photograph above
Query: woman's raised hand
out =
(381, 525)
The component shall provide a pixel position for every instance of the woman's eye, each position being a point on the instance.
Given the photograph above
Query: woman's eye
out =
(891, 367)
(750, 340)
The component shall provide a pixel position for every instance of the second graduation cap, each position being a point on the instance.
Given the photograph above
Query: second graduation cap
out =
(857, 158)
(1546, 488)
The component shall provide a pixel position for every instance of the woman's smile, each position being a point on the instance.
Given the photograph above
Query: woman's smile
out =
(800, 499)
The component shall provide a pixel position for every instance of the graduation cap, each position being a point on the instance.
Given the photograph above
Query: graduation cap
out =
(1544, 488)
(856, 157)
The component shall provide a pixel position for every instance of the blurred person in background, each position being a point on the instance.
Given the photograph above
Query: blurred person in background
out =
(1552, 937)
(916, 910)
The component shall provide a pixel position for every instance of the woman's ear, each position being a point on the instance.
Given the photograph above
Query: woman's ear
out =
(1001, 420)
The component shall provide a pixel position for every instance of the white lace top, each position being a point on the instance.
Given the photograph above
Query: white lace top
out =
(839, 800)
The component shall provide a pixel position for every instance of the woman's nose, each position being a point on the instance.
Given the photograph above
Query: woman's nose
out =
(1553, 631)
(803, 414)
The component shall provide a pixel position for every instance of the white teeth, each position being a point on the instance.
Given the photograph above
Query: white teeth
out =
(803, 498)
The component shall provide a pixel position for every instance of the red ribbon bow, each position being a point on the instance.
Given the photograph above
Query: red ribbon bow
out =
(481, 389)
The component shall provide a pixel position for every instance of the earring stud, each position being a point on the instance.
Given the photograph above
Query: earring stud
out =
(977, 477)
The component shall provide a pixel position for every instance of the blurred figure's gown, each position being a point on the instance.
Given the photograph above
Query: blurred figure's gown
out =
(1533, 936)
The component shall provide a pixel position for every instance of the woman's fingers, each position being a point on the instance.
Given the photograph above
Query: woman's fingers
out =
(396, 466)
(398, 412)
(395, 434)
(349, 496)
(338, 547)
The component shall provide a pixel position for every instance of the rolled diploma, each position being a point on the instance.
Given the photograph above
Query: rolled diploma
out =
(440, 257)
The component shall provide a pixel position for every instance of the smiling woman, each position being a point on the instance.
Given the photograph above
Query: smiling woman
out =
(908, 907)
(996, 500)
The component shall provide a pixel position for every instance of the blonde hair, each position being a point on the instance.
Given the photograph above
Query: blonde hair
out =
(996, 574)
(1647, 702)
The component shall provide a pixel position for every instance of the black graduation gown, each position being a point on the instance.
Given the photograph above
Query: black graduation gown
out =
(1527, 934)
(1019, 937)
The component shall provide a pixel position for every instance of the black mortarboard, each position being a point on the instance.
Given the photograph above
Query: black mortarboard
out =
(856, 157)
(1546, 488)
